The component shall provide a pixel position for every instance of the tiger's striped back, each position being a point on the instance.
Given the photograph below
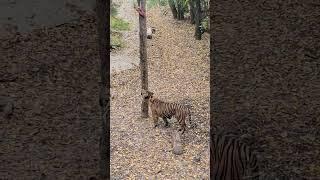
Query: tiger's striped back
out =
(168, 110)
(231, 158)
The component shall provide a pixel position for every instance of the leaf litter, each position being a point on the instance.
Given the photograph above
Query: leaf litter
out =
(178, 70)
(55, 92)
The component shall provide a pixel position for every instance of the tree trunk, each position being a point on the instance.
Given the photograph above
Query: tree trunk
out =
(143, 57)
(180, 9)
(173, 9)
(103, 31)
(192, 13)
(197, 20)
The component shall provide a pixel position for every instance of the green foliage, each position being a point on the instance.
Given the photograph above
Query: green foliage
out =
(183, 4)
(119, 24)
(205, 22)
(114, 9)
(153, 3)
(116, 40)
(163, 2)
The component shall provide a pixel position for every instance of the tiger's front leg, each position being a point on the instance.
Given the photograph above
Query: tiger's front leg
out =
(154, 117)
(155, 120)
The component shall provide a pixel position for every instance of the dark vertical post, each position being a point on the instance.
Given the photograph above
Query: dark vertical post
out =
(173, 9)
(192, 9)
(143, 56)
(197, 20)
(103, 31)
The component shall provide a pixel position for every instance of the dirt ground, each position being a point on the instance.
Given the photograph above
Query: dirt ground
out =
(178, 71)
(128, 56)
(52, 76)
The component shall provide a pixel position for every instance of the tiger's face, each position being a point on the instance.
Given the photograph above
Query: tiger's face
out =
(146, 94)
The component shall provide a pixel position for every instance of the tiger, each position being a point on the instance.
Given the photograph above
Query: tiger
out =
(167, 110)
(231, 158)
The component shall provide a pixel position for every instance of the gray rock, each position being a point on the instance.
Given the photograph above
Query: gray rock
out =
(177, 145)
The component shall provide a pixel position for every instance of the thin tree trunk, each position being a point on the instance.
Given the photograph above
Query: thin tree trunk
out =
(143, 57)
(103, 31)
(192, 9)
(197, 20)
(177, 3)
(180, 9)
(173, 9)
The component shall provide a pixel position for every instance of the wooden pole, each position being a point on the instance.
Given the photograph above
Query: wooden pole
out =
(143, 56)
(103, 31)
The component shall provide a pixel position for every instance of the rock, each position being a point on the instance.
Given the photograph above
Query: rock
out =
(149, 33)
(177, 145)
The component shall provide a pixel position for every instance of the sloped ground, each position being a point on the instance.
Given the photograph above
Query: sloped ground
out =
(178, 71)
(127, 57)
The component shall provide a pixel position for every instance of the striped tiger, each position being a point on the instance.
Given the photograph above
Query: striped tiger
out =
(167, 110)
(231, 158)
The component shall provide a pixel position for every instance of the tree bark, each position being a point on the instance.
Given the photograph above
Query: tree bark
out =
(173, 9)
(180, 9)
(197, 20)
(143, 57)
(192, 9)
(103, 31)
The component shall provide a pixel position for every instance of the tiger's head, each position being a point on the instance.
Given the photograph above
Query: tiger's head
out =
(146, 94)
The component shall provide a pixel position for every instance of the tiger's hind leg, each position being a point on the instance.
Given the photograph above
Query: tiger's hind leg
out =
(182, 123)
(165, 121)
